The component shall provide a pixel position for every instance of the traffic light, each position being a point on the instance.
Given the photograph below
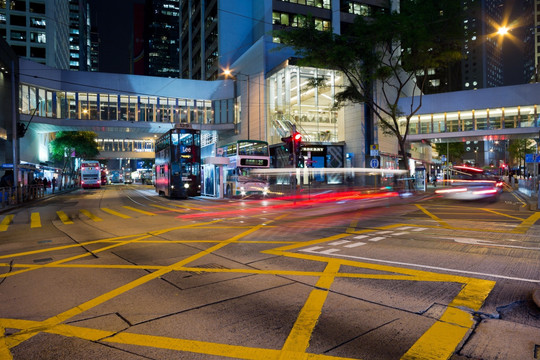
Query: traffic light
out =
(288, 143)
(21, 130)
(297, 140)
(300, 162)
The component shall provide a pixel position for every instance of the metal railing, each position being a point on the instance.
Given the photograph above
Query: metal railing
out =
(17, 195)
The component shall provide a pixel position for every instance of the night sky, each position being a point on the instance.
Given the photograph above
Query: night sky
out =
(114, 21)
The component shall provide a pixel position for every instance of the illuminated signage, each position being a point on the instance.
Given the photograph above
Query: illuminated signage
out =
(253, 162)
(312, 148)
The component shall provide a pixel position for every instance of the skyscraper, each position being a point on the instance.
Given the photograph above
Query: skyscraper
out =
(37, 30)
(79, 35)
(162, 23)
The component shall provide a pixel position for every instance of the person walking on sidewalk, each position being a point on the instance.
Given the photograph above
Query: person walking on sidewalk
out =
(53, 184)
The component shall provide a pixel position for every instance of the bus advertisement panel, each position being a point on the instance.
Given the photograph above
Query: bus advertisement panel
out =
(90, 174)
(244, 156)
(178, 163)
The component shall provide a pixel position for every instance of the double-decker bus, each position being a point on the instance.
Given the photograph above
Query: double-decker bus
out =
(90, 174)
(178, 163)
(245, 155)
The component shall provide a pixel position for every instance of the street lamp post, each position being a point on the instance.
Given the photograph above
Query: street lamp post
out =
(228, 73)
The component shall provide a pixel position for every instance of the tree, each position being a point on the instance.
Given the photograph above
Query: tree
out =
(519, 148)
(454, 151)
(70, 144)
(385, 57)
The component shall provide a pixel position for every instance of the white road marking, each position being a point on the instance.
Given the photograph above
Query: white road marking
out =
(315, 248)
(355, 245)
(378, 238)
(401, 233)
(341, 242)
(437, 268)
(487, 243)
(360, 237)
(329, 251)
(383, 232)
(418, 229)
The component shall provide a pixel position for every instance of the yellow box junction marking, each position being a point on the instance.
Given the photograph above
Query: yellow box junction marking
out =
(5, 222)
(116, 213)
(64, 218)
(438, 342)
(90, 215)
(35, 220)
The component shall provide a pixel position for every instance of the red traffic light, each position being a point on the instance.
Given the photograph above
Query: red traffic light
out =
(297, 137)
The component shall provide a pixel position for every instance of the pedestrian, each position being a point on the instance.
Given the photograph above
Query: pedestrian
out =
(435, 180)
(45, 183)
(53, 184)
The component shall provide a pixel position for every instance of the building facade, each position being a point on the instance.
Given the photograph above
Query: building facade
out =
(37, 30)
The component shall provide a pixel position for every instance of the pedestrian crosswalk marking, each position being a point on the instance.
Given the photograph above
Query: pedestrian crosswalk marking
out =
(112, 212)
(139, 211)
(90, 215)
(5, 222)
(377, 238)
(35, 220)
(356, 244)
(168, 208)
(360, 237)
(336, 243)
(64, 218)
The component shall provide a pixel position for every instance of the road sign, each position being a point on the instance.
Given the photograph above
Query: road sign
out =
(374, 150)
(374, 163)
(532, 158)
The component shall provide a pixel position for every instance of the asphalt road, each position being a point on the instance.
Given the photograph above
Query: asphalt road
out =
(120, 273)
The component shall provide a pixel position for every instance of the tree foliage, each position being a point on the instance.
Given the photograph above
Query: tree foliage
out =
(391, 51)
(454, 151)
(82, 143)
(518, 148)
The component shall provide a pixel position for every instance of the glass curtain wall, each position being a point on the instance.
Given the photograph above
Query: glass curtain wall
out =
(293, 101)
(103, 106)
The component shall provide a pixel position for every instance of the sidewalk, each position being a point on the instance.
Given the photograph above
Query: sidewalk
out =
(48, 194)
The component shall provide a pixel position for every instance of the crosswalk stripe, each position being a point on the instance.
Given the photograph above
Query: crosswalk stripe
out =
(64, 218)
(356, 244)
(139, 211)
(377, 238)
(35, 220)
(5, 222)
(90, 215)
(112, 212)
(187, 207)
(341, 242)
(168, 208)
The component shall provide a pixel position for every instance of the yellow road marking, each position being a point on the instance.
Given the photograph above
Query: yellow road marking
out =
(519, 199)
(139, 211)
(187, 207)
(298, 340)
(526, 224)
(5, 222)
(167, 208)
(64, 218)
(434, 217)
(35, 220)
(112, 212)
(440, 341)
(90, 215)
(499, 213)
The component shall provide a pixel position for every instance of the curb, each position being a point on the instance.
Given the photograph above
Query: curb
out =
(536, 297)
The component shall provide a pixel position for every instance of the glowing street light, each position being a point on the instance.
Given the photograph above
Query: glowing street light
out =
(503, 30)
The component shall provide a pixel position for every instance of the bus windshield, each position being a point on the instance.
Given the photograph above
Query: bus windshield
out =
(252, 148)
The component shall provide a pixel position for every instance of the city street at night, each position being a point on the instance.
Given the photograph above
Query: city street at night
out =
(121, 273)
